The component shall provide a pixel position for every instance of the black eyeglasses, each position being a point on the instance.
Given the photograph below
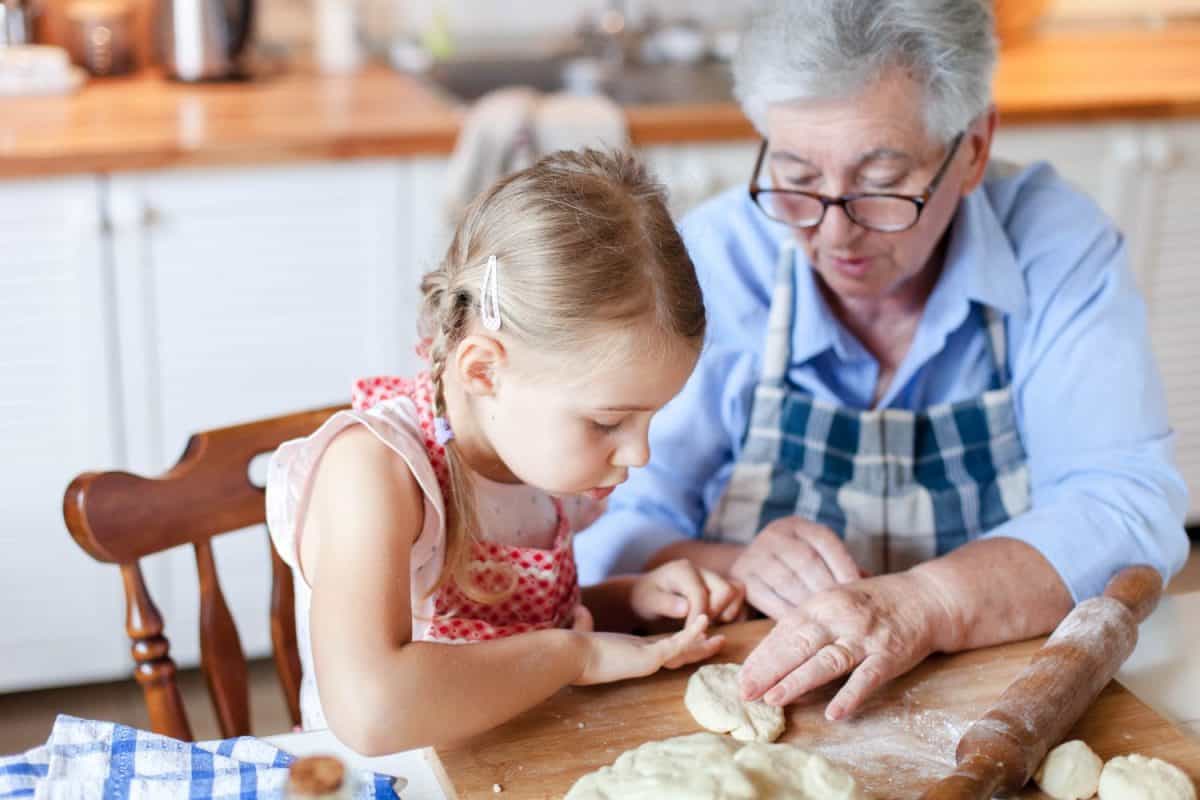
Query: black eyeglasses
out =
(887, 213)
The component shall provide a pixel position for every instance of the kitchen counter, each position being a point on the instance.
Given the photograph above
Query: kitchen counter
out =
(145, 122)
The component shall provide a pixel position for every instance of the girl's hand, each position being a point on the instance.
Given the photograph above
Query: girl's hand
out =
(618, 656)
(680, 589)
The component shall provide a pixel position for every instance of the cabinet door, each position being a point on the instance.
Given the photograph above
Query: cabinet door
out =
(61, 614)
(693, 173)
(1164, 241)
(243, 294)
(1098, 159)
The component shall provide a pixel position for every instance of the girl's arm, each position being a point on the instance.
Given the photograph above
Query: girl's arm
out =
(382, 692)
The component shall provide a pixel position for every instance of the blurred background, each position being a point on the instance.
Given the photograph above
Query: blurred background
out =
(213, 211)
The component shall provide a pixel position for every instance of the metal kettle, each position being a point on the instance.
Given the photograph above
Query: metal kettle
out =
(204, 40)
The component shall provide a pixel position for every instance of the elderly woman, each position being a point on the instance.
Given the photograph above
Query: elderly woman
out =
(927, 418)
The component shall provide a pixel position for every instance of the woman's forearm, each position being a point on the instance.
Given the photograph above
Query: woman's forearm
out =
(432, 694)
(995, 591)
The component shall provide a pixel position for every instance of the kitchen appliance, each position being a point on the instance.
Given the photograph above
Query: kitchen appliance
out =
(101, 36)
(16, 22)
(204, 40)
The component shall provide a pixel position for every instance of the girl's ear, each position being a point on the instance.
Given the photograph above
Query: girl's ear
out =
(478, 360)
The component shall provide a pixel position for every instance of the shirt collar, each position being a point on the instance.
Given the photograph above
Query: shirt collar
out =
(814, 328)
(980, 247)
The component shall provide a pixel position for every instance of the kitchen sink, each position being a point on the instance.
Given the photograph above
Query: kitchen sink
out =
(466, 80)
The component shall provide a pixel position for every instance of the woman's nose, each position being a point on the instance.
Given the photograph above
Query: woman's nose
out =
(837, 229)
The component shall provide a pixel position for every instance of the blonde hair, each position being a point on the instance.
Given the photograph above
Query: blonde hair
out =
(585, 245)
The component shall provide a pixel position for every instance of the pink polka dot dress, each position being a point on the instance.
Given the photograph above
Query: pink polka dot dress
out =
(524, 541)
(539, 586)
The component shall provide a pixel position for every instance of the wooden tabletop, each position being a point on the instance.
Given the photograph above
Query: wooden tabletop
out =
(897, 746)
(145, 122)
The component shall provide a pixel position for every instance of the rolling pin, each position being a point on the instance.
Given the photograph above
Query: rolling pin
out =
(1001, 750)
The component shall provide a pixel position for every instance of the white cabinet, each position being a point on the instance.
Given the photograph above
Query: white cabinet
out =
(1099, 159)
(243, 294)
(1165, 243)
(60, 612)
(693, 173)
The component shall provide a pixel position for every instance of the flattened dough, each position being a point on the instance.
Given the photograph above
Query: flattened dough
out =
(1136, 777)
(789, 773)
(714, 699)
(695, 767)
(705, 766)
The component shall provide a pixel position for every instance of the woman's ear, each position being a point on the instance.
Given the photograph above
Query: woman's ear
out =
(979, 148)
(477, 361)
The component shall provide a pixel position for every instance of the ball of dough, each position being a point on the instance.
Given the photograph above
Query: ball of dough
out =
(715, 700)
(1136, 777)
(1071, 771)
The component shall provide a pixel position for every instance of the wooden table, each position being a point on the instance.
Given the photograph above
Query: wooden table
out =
(902, 742)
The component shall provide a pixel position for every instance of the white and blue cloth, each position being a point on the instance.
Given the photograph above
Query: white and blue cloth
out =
(93, 760)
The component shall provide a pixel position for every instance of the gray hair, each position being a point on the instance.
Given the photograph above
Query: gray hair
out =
(818, 49)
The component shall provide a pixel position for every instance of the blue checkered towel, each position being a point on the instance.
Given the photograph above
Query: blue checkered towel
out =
(91, 760)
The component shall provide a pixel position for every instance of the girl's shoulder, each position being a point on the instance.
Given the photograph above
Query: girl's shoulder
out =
(389, 424)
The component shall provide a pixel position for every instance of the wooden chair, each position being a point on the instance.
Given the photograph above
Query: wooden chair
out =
(120, 518)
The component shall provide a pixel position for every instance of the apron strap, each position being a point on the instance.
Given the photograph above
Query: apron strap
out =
(998, 345)
(777, 355)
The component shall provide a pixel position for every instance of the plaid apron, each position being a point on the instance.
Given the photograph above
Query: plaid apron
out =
(900, 487)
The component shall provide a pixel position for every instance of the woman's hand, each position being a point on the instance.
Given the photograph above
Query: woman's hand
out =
(679, 589)
(618, 656)
(790, 560)
(873, 630)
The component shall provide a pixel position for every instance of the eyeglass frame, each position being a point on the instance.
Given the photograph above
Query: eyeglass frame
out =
(918, 200)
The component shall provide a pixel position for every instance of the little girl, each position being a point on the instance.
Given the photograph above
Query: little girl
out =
(430, 527)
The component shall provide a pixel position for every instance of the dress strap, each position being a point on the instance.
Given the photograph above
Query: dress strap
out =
(369, 392)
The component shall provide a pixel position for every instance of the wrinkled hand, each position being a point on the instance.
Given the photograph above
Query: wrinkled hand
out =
(873, 630)
(680, 589)
(790, 560)
(618, 656)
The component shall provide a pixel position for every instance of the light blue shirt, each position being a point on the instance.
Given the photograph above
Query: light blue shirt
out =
(1088, 396)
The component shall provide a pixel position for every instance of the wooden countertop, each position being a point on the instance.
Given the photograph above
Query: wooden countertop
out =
(145, 122)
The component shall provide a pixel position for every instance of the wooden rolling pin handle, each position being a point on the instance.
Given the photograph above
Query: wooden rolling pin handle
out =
(1138, 589)
(1000, 752)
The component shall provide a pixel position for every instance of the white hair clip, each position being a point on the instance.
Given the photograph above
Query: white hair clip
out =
(489, 296)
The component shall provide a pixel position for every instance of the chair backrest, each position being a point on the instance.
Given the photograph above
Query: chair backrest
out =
(120, 518)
